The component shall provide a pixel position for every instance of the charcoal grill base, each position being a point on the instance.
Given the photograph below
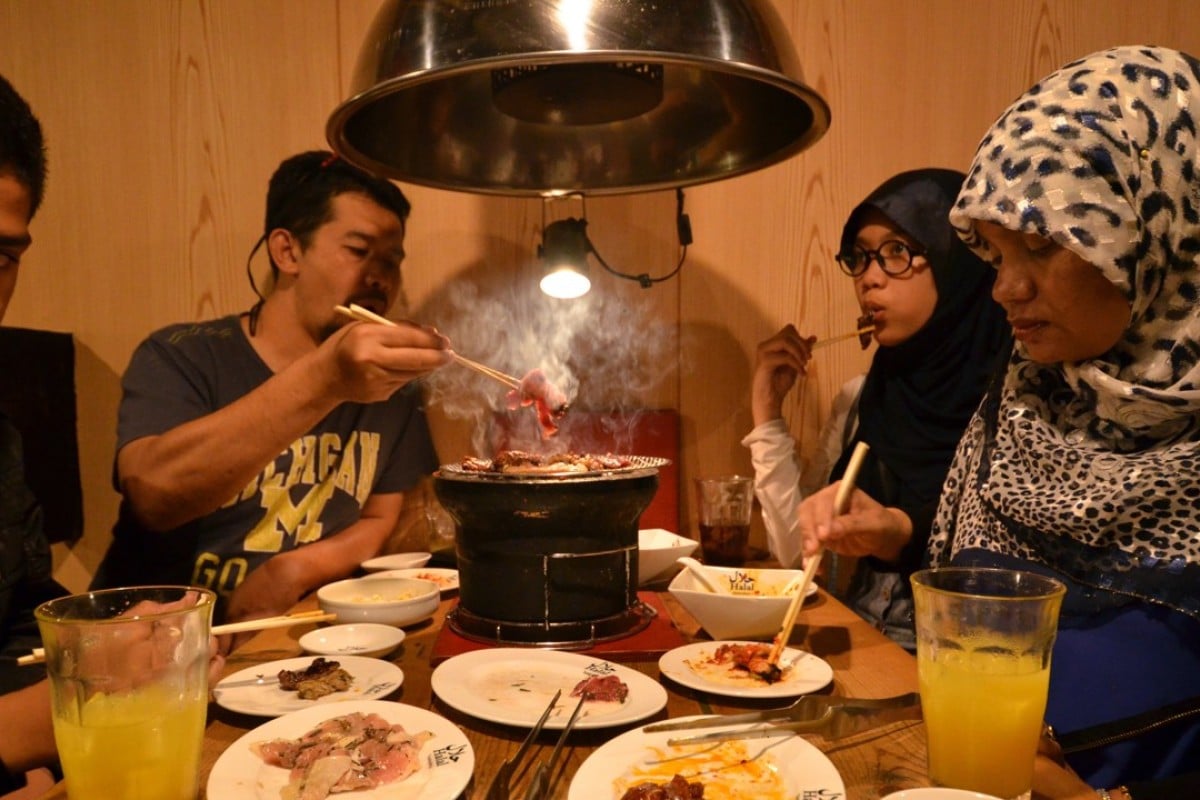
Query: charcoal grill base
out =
(574, 635)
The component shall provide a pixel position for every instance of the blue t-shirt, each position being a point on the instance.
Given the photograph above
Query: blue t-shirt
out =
(313, 489)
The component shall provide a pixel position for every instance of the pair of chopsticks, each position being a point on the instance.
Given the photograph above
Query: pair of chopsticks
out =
(841, 503)
(367, 315)
(39, 653)
(841, 337)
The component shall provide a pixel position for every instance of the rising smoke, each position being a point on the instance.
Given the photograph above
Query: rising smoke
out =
(606, 351)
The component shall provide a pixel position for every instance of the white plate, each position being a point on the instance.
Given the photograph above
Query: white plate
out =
(934, 793)
(447, 760)
(513, 686)
(368, 639)
(396, 561)
(803, 769)
(446, 579)
(808, 674)
(242, 692)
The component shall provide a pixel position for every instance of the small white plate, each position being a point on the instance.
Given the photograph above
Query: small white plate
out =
(255, 690)
(369, 639)
(786, 766)
(938, 793)
(446, 579)
(447, 759)
(396, 561)
(808, 673)
(513, 686)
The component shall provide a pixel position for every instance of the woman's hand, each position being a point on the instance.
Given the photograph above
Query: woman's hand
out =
(1053, 779)
(868, 528)
(778, 364)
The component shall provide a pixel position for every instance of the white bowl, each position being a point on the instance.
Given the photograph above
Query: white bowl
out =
(755, 612)
(388, 601)
(396, 561)
(446, 579)
(658, 550)
(938, 793)
(357, 639)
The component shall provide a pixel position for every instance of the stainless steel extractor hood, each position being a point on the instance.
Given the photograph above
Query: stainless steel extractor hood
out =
(540, 97)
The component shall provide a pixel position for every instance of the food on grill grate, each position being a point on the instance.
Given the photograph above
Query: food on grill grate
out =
(518, 462)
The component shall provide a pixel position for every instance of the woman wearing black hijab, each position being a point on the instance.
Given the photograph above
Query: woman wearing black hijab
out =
(940, 337)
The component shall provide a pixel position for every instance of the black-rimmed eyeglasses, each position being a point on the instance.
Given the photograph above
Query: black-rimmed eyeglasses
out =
(893, 256)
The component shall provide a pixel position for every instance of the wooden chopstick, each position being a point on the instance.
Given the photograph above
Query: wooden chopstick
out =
(299, 618)
(38, 655)
(841, 337)
(507, 380)
(367, 315)
(840, 503)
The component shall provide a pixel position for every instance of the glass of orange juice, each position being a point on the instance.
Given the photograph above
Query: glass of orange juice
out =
(129, 689)
(984, 641)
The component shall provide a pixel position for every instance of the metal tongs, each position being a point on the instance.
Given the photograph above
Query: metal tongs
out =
(832, 717)
(543, 777)
(499, 788)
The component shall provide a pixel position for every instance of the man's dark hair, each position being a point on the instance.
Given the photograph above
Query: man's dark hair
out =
(300, 195)
(22, 150)
(300, 200)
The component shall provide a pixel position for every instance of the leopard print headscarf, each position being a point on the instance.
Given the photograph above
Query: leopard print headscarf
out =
(1093, 468)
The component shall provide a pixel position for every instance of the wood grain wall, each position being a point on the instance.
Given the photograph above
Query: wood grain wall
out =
(166, 117)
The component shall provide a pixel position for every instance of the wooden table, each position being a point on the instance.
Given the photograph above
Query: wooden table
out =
(865, 663)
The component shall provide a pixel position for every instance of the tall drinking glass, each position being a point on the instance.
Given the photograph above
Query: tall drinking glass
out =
(725, 504)
(129, 689)
(984, 640)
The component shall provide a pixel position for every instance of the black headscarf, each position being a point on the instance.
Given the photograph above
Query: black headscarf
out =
(919, 395)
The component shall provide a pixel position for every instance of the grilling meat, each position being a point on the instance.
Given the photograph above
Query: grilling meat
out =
(519, 462)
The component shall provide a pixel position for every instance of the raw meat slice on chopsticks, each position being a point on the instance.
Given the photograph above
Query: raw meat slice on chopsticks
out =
(536, 390)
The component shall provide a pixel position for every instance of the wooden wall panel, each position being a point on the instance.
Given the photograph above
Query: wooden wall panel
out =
(166, 117)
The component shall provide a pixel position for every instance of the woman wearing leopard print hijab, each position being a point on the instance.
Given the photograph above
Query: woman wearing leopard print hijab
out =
(1083, 460)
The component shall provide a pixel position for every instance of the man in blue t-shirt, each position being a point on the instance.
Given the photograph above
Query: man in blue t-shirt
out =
(266, 453)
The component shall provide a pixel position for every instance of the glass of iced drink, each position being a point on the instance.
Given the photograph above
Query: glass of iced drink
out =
(724, 504)
(128, 674)
(984, 641)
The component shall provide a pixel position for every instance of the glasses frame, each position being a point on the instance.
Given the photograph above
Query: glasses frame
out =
(878, 257)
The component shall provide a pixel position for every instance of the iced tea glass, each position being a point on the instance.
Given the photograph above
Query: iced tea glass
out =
(129, 689)
(984, 641)
(725, 503)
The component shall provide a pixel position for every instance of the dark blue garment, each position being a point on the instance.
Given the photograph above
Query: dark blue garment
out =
(1116, 657)
(24, 564)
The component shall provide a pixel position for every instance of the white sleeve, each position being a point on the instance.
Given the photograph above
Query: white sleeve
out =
(777, 485)
(778, 482)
